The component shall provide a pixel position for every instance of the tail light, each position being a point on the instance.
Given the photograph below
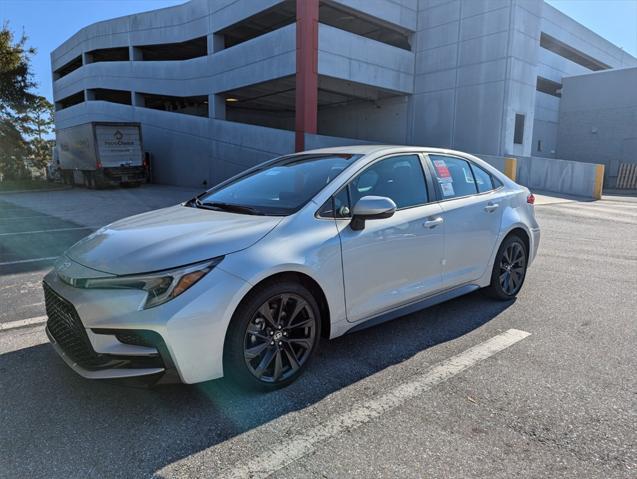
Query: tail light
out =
(530, 199)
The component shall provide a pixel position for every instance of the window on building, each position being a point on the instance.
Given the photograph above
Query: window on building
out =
(454, 176)
(549, 87)
(68, 67)
(518, 134)
(119, 54)
(70, 100)
(197, 47)
(539, 145)
(188, 105)
(113, 96)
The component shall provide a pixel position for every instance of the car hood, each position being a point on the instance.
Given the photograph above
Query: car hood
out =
(168, 238)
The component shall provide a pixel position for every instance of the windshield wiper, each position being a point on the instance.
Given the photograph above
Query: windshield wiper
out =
(248, 210)
(194, 202)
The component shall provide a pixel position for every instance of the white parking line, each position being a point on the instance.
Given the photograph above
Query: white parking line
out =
(32, 260)
(298, 446)
(47, 231)
(23, 323)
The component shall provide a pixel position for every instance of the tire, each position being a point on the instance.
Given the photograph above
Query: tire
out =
(509, 269)
(264, 353)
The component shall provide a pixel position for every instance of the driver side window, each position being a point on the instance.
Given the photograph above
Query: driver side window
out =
(400, 178)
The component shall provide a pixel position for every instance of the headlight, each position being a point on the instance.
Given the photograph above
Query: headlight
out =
(161, 286)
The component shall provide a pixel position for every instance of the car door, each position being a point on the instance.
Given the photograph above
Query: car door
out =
(395, 260)
(472, 212)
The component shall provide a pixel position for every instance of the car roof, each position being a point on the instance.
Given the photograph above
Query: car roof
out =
(381, 149)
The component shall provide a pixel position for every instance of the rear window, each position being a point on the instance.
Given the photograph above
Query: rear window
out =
(454, 176)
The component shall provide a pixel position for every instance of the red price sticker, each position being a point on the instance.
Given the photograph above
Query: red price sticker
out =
(441, 169)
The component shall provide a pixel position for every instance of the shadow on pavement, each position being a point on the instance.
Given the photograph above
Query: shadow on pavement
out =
(56, 424)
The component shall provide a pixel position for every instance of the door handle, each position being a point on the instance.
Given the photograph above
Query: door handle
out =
(491, 207)
(432, 223)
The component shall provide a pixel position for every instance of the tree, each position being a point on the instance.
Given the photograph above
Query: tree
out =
(16, 98)
(13, 149)
(16, 79)
(36, 124)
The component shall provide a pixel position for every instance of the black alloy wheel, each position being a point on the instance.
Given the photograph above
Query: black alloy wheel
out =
(279, 338)
(509, 269)
(272, 336)
(512, 268)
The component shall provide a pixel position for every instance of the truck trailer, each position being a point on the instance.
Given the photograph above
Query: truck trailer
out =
(99, 154)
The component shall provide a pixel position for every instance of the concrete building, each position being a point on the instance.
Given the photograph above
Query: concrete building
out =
(600, 128)
(219, 85)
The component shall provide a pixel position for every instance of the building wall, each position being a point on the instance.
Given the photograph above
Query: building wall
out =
(475, 69)
(472, 67)
(555, 67)
(599, 128)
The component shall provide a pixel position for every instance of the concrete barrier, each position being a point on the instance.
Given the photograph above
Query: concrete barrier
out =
(548, 174)
(561, 176)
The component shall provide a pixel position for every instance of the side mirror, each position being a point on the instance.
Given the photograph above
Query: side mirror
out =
(371, 208)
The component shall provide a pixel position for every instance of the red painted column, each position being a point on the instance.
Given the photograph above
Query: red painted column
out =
(307, 13)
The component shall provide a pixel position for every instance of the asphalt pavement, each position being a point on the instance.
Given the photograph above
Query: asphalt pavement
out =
(544, 386)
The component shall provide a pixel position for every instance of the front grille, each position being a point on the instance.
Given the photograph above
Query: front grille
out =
(66, 328)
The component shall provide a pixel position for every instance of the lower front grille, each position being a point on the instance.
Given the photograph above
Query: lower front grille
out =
(66, 328)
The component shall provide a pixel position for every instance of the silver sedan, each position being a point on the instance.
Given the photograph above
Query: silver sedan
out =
(243, 280)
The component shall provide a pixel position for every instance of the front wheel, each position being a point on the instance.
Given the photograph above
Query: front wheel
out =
(272, 337)
(509, 269)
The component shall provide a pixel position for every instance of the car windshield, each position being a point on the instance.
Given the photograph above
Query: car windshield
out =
(278, 188)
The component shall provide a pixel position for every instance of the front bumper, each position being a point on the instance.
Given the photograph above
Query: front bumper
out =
(106, 373)
(191, 329)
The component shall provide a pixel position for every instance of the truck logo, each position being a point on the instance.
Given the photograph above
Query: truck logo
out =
(118, 140)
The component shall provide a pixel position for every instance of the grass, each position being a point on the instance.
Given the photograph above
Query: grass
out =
(30, 185)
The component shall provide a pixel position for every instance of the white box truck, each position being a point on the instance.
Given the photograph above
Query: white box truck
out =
(100, 154)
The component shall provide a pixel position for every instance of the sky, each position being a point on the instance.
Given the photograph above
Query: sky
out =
(48, 23)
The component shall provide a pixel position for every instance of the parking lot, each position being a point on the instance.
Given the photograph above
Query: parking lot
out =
(432, 394)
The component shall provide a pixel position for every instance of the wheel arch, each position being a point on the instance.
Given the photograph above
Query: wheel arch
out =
(309, 283)
(522, 233)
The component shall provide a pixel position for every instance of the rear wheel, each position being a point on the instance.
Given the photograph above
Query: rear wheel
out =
(272, 337)
(509, 269)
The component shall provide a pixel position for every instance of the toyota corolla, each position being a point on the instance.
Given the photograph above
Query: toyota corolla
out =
(243, 280)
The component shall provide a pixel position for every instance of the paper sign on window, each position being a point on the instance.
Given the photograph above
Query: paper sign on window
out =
(442, 170)
(447, 189)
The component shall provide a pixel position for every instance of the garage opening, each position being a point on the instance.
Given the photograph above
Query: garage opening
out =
(70, 100)
(187, 105)
(345, 109)
(549, 87)
(68, 68)
(366, 26)
(278, 16)
(119, 54)
(122, 97)
(330, 13)
(195, 48)
(562, 49)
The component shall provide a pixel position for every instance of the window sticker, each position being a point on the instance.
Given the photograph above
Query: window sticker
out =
(442, 170)
(468, 177)
(447, 189)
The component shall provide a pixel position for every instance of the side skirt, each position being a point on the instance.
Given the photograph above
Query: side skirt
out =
(413, 307)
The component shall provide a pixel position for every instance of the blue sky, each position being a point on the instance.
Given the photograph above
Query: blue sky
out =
(49, 22)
